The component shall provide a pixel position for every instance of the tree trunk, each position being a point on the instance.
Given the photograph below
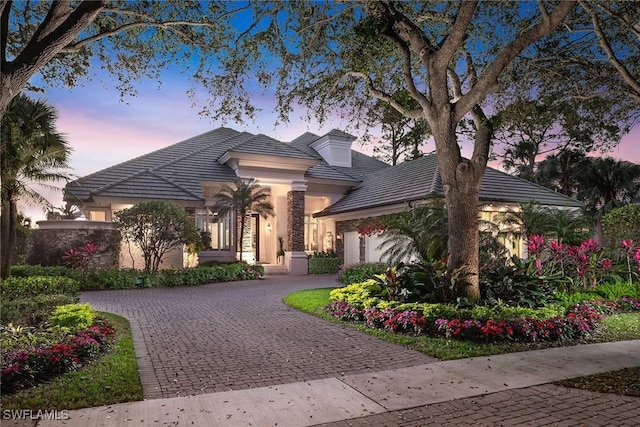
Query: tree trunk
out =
(9, 219)
(461, 184)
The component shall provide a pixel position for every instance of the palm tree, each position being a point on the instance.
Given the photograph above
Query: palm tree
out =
(561, 172)
(32, 152)
(607, 184)
(420, 233)
(244, 198)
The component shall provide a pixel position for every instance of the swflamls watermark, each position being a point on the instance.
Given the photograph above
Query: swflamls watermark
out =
(31, 414)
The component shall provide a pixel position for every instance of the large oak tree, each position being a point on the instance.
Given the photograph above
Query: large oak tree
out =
(448, 56)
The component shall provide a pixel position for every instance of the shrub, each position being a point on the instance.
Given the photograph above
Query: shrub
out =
(73, 316)
(39, 270)
(129, 278)
(621, 224)
(548, 324)
(362, 272)
(323, 264)
(32, 311)
(26, 287)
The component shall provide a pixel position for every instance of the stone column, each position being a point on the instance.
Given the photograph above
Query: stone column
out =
(295, 257)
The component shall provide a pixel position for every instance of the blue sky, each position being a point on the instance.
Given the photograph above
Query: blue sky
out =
(104, 130)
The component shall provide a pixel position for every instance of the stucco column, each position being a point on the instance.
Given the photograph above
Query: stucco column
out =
(295, 257)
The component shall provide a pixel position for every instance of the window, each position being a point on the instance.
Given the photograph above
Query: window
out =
(97, 216)
(215, 229)
(310, 233)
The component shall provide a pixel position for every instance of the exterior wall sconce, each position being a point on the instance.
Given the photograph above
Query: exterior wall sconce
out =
(268, 227)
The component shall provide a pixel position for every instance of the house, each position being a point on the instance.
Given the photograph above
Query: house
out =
(318, 185)
(395, 189)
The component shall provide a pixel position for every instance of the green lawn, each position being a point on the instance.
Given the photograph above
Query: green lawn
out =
(112, 378)
(614, 328)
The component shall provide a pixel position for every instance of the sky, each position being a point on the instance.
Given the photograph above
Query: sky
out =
(104, 130)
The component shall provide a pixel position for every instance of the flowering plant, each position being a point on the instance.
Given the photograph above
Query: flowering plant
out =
(579, 321)
(80, 257)
(373, 226)
(27, 368)
(583, 263)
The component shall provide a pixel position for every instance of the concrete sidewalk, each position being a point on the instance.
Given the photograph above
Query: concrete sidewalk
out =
(355, 396)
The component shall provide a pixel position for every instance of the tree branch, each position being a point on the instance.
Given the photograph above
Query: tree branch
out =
(407, 73)
(5, 10)
(489, 77)
(543, 11)
(381, 95)
(47, 43)
(457, 34)
(604, 43)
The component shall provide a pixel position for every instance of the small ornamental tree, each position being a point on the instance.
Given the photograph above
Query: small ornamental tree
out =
(156, 227)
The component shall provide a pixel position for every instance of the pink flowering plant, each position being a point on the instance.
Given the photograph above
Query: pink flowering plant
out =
(579, 321)
(27, 368)
(582, 265)
(631, 254)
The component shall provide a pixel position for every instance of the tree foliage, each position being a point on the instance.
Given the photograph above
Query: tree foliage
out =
(602, 183)
(401, 137)
(243, 198)
(608, 183)
(530, 129)
(60, 41)
(156, 227)
(31, 152)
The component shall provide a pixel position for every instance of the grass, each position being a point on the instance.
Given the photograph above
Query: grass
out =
(615, 328)
(310, 301)
(113, 378)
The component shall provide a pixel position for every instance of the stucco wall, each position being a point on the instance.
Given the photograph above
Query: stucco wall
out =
(343, 227)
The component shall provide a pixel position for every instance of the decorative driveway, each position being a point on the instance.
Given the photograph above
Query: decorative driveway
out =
(239, 335)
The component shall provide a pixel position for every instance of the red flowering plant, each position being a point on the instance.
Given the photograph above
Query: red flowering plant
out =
(373, 226)
(580, 321)
(80, 257)
(28, 368)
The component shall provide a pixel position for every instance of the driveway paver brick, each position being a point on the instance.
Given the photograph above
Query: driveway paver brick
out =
(544, 405)
(239, 335)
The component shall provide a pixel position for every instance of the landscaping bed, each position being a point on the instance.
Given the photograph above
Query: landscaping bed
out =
(129, 278)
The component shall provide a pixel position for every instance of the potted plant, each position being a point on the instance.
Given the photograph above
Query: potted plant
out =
(280, 253)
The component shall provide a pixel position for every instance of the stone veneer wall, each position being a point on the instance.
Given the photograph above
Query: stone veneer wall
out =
(345, 227)
(54, 238)
(295, 221)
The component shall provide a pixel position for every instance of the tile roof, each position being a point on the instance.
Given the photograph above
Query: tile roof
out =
(419, 179)
(361, 164)
(262, 144)
(175, 172)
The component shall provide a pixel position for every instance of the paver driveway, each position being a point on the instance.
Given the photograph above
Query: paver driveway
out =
(238, 335)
